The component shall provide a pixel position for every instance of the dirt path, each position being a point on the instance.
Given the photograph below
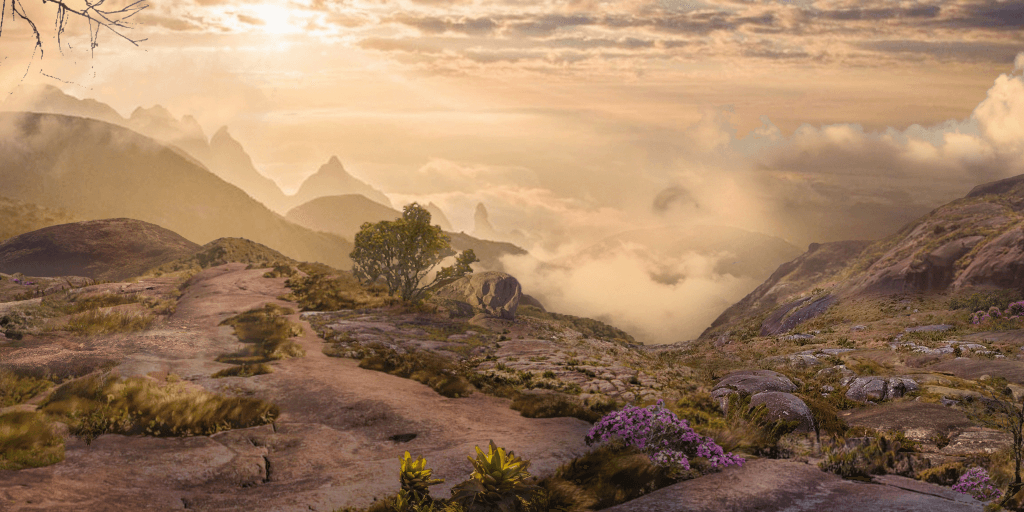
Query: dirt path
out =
(330, 448)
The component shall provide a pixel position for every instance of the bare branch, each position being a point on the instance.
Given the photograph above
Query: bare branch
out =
(114, 20)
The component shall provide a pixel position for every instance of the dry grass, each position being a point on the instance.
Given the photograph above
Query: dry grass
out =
(16, 387)
(323, 291)
(27, 442)
(266, 333)
(244, 370)
(96, 405)
(97, 321)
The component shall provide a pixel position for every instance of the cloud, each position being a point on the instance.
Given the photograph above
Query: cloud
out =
(621, 289)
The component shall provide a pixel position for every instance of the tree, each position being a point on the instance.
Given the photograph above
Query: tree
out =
(403, 251)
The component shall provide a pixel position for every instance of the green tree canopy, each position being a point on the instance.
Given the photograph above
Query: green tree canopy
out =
(403, 251)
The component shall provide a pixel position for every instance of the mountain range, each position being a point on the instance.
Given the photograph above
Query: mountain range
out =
(221, 154)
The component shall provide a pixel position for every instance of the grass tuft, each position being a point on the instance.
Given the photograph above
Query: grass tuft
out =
(266, 333)
(555, 405)
(96, 321)
(244, 370)
(26, 441)
(15, 387)
(97, 405)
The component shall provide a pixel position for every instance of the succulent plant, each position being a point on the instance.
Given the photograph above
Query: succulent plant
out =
(415, 477)
(498, 482)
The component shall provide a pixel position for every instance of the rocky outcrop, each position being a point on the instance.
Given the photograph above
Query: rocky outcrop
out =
(863, 389)
(768, 388)
(785, 407)
(750, 382)
(496, 294)
(795, 313)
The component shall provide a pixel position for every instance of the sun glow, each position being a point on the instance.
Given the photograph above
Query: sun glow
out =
(275, 19)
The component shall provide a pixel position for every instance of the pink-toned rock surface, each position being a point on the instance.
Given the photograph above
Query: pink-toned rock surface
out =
(330, 447)
(777, 485)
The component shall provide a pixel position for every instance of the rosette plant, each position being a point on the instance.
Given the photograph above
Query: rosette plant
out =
(498, 483)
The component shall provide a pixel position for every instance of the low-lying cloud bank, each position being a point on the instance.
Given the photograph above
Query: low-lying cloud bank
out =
(819, 184)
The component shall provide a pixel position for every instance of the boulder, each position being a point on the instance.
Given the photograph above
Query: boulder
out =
(751, 382)
(496, 294)
(785, 406)
(863, 389)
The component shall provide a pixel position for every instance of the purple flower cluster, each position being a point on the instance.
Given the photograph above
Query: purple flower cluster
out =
(1014, 310)
(23, 283)
(658, 432)
(975, 482)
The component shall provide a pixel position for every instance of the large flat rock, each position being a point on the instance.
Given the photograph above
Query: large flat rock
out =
(767, 485)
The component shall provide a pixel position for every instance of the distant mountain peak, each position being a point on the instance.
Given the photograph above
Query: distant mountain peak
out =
(332, 179)
(156, 111)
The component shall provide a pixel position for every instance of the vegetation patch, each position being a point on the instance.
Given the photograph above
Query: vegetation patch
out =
(97, 321)
(100, 404)
(609, 475)
(442, 374)
(225, 250)
(26, 441)
(321, 291)
(244, 370)
(557, 405)
(266, 334)
(16, 387)
(983, 300)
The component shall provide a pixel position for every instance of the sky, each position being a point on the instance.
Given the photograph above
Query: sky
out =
(577, 120)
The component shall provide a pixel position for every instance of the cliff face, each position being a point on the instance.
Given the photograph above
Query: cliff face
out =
(975, 241)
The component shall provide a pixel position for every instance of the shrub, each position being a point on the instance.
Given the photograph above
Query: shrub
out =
(946, 474)
(975, 482)
(1015, 308)
(984, 300)
(659, 433)
(27, 442)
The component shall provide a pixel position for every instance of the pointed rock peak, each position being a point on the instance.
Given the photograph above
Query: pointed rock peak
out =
(333, 167)
(481, 210)
(222, 137)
